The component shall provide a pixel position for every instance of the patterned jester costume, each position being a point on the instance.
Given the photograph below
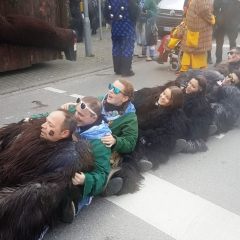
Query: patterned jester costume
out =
(120, 15)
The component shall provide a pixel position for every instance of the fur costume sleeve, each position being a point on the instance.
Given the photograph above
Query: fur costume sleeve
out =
(36, 179)
(199, 114)
(163, 128)
(227, 109)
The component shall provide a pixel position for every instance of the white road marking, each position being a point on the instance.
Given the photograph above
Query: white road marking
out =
(179, 213)
(219, 136)
(54, 90)
(76, 96)
(224, 45)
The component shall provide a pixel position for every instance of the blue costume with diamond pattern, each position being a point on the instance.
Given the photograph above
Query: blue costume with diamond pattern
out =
(123, 33)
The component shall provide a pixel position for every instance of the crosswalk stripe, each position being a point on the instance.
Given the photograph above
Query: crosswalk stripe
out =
(76, 96)
(179, 213)
(54, 90)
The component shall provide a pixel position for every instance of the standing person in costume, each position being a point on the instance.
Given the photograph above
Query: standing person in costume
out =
(37, 162)
(145, 25)
(122, 15)
(197, 39)
(76, 20)
(228, 19)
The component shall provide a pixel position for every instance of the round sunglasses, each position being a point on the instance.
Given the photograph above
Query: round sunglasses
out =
(84, 106)
(231, 77)
(115, 89)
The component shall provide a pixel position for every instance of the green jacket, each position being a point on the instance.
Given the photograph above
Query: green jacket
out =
(151, 7)
(125, 131)
(96, 179)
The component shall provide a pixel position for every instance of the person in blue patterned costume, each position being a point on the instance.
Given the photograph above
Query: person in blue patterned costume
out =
(122, 14)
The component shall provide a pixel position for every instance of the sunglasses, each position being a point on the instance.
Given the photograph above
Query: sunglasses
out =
(231, 77)
(115, 89)
(231, 53)
(84, 106)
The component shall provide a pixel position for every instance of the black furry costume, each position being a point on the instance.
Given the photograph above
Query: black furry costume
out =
(93, 11)
(211, 76)
(199, 114)
(225, 100)
(225, 68)
(159, 127)
(36, 179)
(76, 20)
(30, 31)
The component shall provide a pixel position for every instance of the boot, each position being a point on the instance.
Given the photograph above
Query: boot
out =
(145, 165)
(117, 64)
(113, 187)
(195, 146)
(71, 52)
(126, 67)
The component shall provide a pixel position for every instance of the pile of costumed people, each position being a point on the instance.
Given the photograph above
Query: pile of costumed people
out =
(146, 127)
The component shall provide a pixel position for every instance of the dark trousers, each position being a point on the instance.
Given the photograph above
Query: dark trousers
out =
(219, 35)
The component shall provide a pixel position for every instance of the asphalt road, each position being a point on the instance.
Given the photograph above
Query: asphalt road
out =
(191, 197)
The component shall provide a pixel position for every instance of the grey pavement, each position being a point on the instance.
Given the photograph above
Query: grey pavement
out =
(57, 70)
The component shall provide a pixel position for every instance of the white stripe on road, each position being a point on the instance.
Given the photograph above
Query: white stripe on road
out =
(219, 136)
(54, 90)
(224, 45)
(76, 96)
(178, 213)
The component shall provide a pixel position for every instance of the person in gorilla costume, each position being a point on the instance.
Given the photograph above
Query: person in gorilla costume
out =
(162, 124)
(199, 114)
(36, 174)
(222, 93)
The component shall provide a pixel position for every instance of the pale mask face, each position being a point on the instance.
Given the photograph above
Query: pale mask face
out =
(165, 98)
(117, 99)
(192, 86)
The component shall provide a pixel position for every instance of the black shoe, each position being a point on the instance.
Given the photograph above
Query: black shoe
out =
(69, 212)
(71, 52)
(210, 61)
(144, 165)
(159, 60)
(195, 146)
(113, 187)
(212, 130)
(180, 145)
(129, 73)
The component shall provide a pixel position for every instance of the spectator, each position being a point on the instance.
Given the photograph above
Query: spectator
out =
(228, 19)
(197, 39)
(145, 24)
